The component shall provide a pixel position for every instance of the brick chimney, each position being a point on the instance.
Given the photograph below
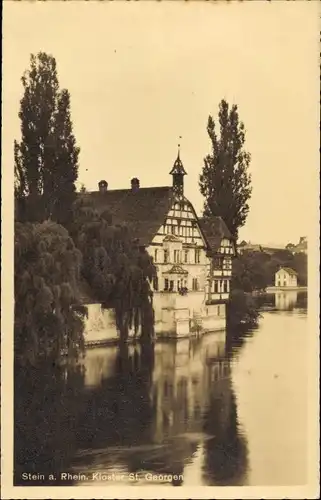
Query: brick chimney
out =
(135, 184)
(103, 186)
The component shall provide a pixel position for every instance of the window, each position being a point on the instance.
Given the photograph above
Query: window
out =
(165, 256)
(218, 310)
(195, 284)
(155, 283)
(176, 256)
(156, 252)
(186, 256)
(166, 283)
(224, 286)
(171, 285)
(197, 256)
(173, 229)
(217, 263)
(215, 286)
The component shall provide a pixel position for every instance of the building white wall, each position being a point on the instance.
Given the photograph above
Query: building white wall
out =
(284, 279)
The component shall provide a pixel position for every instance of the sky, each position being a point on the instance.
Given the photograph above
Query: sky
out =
(142, 74)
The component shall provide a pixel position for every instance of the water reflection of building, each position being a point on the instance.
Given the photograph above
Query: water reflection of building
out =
(286, 300)
(155, 411)
(181, 384)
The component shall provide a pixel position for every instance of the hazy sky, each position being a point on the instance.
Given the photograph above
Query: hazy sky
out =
(141, 74)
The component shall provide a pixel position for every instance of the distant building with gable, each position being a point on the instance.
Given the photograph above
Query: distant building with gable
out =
(286, 277)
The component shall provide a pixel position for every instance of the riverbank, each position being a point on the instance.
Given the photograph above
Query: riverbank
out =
(272, 289)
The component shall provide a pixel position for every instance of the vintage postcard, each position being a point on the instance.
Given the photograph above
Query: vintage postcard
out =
(160, 249)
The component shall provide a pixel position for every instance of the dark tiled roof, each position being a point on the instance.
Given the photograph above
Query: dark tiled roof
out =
(178, 167)
(144, 210)
(214, 230)
(289, 271)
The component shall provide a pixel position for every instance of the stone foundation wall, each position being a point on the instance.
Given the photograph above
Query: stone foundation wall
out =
(175, 316)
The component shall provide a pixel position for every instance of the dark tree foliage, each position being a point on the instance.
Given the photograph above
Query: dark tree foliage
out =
(46, 275)
(250, 271)
(225, 182)
(117, 270)
(242, 310)
(256, 270)
(47, 402)
(46, 159)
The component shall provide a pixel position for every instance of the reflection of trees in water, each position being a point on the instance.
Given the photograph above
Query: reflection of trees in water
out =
(151, 412)
(264, 299)
(118, 412)
(236, 337)
(46, 403)
(302, 300)
(155, 420)
(225, 455)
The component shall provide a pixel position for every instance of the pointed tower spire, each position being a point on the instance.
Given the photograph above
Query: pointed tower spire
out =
(178, 173)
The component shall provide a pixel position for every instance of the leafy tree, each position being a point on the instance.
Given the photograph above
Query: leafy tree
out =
(225, 182)
(46, 159)
(249, 271)
(300, 265)
(46, 276)
(241, 310)
(117, 270)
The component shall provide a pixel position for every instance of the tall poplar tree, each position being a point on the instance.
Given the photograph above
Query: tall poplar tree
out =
(225, 181)
(46, 159)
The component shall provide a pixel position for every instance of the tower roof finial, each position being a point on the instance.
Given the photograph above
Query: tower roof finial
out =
(178, 167)
(179, 147)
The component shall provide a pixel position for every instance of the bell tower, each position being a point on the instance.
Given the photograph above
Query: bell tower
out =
(178, 173)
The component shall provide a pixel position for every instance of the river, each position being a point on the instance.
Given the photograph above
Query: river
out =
(219, 410)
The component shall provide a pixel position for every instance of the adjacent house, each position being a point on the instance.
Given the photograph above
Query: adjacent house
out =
(193, 256)
(286, 277)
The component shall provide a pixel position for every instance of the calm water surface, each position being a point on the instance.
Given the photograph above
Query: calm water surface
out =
(215, 410)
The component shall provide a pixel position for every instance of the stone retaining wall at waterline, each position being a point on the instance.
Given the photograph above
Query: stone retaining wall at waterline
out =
(175, 317)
